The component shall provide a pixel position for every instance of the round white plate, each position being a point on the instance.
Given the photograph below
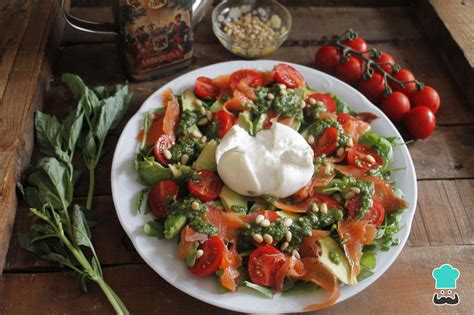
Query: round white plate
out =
(160, 254)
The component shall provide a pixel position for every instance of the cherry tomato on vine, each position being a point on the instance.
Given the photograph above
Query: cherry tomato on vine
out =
(209, 262)
(403, 75)
(427, 96)
(373, 87)
(264, 263)
(395, 106)
(327, 58)
(420, 122)
(225, 121)
(326, 99)
(158, 194)
(385, 58)
(358, 155)
(288, 76)
(326, 143)
(163, 143)
(206, 187)
(358, 44)
(351, 71)
(205, 88)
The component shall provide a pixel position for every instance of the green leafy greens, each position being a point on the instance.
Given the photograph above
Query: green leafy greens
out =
(63, 230)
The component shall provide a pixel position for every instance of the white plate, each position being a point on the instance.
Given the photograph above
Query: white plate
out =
(160, 254)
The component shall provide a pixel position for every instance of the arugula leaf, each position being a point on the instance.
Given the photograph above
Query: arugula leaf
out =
(300, 287)
(382, 145)
(260, 289)
(140, 197)
(341, 106)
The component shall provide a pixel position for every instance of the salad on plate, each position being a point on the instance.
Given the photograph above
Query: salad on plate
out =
(266, 183)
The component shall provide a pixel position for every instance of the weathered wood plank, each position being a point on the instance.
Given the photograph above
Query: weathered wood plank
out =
(408, 283)
(415, 55)
(445, 220)
(23, 93)
(449, 24)
(375, 23)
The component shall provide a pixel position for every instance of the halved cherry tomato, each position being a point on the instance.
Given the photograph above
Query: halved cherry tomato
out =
(263, 265)
(250, 78)
(207, 187)
(158, 194)
(329, 201)
(210, 261)
(225, 121)
(375, 215)
(326, 99)
(358, 156)
(164, 142)
(326, 143)
(342, 118)
(288, 76)
(205, 88)
(327, 58)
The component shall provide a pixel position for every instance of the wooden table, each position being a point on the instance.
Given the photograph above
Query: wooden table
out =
(442, 229)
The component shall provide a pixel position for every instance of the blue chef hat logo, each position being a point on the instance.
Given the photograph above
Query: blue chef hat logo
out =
(446, 276)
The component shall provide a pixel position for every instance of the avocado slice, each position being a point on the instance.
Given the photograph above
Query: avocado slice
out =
(207, 159)
(216, 106)
(230, 198)
(245, 122)
(150, 172)
(293, 216)
(342, 270)
(188, 100)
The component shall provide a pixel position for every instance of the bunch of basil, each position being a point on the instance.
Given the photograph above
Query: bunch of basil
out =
(62, 229)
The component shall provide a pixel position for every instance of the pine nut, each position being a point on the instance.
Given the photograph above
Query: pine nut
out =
(270, 96)
(195, 205)
(209, 115)
(268, 238)
(288, 236)
(204, 139)
(265, 223)
(257, 238)
(349, 195)
(167, 154)
(340, 152)
(310, 139)
(349, 142)
(314, 207)
(356, 190)
(323, 207)
(199, 253)
(259, 218)
(203, 121)
(287, 222)
(312, 101)
(203, 110)
(296, 254)
(370, 158)
(196, 134)
(284, 245)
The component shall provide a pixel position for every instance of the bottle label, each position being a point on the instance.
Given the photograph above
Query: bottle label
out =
(155, 33)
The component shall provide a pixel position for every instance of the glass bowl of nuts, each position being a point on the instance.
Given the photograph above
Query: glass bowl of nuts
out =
(251, 29)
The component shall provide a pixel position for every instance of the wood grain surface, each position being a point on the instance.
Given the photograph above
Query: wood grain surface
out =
(442, 228)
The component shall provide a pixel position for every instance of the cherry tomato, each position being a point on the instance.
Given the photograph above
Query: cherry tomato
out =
(376, 214)
(326, 99)
(327, 58)
(342, 118)
(373, 87)
(403, 75)
(249, 78)
(358, 44)
(426, 97)
(205, 88)
(357, 156)
(351, 71)
(158, 194)
(163, 143)
(330, 202)
(420, 122)
(385, 58)
(225, 121)
(207, 187)
(327, 142)
(210, 260)
(264, 263)
(288, 76)
(395, 106)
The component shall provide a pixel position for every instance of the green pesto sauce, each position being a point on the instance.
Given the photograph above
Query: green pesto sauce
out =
(186, 145)
(239, 209)
(187, 119)
(213, 131)
(269, 198)
(195, 217)
(317, 128)
(366, 191)
(334, 256)
(288, 104)
(316, 110)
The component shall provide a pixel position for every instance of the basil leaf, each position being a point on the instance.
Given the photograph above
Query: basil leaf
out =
(71, 128)
(81, 233)
(48, 136)
(261, 289)
(101, 91)
(75, 84)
